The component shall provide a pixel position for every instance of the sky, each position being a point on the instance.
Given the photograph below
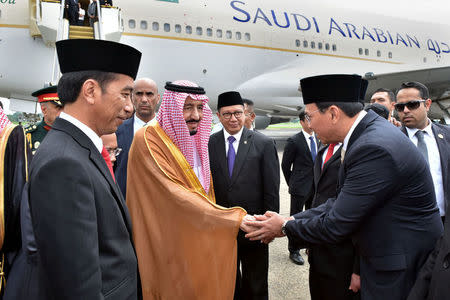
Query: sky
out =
(411, 9)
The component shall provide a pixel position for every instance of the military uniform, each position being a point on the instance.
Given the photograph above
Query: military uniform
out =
(36, 133)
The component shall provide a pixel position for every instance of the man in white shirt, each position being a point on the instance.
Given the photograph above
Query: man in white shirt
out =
(246, 173)
(72, 210)
(145, 100)
(385, 201)
(432, 140)
(298, 169)
(81, 14)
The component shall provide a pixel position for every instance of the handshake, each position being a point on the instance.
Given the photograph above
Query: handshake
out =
(263, 227)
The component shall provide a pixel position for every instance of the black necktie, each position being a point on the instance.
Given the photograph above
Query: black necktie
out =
(421, 145)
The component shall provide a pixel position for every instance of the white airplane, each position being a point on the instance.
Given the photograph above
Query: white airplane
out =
(260, 48)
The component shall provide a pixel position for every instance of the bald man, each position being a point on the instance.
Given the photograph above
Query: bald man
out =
(145, 99)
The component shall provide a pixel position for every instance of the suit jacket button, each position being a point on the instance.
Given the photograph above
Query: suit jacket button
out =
(445, 264)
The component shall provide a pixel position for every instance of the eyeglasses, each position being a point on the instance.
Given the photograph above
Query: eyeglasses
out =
(114, 152)
(308, 116)
(237, 115)
(411, 105)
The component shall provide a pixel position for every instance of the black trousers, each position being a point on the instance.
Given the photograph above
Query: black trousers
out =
(323, 287)
(297, 203)
(253, 259)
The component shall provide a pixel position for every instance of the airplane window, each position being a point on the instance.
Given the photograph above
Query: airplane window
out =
(390, 54)
(247, 36)
(188, 29)
(131, 23)
(378, 53)
(229, 34)
(366, 51)
(297, 43)
(305, 44)
(360, 51)
(320, 45)
(166, 27)
(155, 26)
(238, 35)
(177, 28)
(334, 47)
(144, 25)
(424, 59)
(327, 46)
(208, 31)
(199, 31)
(219, 33)
(313, 45)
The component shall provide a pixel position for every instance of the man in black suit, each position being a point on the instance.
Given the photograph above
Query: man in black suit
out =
(73, 12)
(297, 165)
(385, 199)
(245, 171)
(432, 140)
(145, 99)
(76, 231)
(331, 266)
(249, 111)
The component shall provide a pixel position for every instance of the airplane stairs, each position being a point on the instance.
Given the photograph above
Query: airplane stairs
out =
(81, 32)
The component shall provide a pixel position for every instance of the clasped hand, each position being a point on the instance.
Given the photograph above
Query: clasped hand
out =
(263, 227)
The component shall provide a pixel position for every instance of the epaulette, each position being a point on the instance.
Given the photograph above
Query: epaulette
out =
(30, 128)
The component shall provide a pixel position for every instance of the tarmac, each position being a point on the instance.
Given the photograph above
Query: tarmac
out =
(287, 281)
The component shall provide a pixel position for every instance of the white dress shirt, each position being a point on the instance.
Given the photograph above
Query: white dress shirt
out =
(198, 165)
(86, 130)
(308, 141)
(434, 160)
(138, 123)
(237, 136)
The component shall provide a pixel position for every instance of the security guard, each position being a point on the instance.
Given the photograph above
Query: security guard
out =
(50, 107)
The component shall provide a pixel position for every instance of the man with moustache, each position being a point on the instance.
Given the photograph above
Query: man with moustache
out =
(76, 231)
(145, 99)
(385, 200)
(185, 242)
(432, 140)
(51, 107)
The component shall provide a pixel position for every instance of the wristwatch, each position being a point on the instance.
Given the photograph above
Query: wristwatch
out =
(283, 228)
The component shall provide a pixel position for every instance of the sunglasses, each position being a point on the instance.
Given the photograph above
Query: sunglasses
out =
(411, 105)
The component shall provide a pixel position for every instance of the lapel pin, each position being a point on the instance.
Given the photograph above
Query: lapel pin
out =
(440, 136)
(245, 142)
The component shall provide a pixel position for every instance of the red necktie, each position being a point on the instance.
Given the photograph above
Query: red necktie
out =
(107, 159)
(329, 153)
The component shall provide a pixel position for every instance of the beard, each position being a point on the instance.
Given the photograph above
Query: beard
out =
(193, 132)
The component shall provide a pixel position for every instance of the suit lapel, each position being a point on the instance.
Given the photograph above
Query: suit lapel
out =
(219, 146)
(98, 161)
(440, 138)
(336, 155)
(130, 131)
(244, 146)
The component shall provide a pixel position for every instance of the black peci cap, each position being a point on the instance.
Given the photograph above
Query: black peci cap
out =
(97, 55)
(363, 89)
(228, 99)
(331, 88)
